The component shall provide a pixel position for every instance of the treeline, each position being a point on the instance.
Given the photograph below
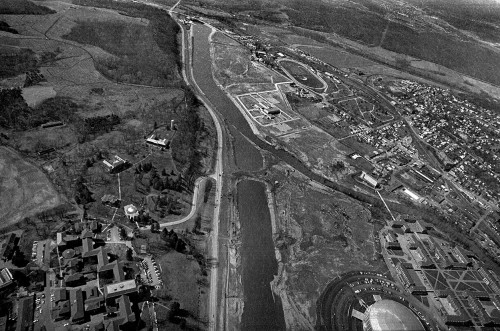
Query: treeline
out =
(159, 182)
(185, 146)
(99, 124)
(136, 61)
(16, 114)
(16, 62)
(4, 26)
(23, 7)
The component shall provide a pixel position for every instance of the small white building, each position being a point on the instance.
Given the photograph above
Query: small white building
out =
(368, 179)
(116, 163)
(157, 142)
(131, 211)
(411, 194)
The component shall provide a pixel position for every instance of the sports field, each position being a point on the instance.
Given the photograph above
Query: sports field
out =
(301, 74)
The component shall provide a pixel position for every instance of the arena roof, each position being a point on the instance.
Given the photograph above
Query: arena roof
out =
(388, 315)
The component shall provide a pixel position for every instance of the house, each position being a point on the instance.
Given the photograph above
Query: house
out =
(116, 165)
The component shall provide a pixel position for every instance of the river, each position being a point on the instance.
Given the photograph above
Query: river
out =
(247, 156)
(262, 310)
(258, 259)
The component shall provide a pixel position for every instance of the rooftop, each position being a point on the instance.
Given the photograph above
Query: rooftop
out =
(388, 315)
(116, 289)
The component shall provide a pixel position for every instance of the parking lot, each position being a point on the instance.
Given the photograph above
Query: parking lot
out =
(150, 272)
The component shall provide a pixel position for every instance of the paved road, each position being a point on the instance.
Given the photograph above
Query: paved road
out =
(480, 221)
(214, 244)
(194, 205)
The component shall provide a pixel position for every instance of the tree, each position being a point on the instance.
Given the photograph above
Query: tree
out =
(82, 193)
(174, 310)
(130, 256)
(123, 233)
(18, 259)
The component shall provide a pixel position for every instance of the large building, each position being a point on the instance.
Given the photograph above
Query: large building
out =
(389, 315)
(25, 313)
(5, 278)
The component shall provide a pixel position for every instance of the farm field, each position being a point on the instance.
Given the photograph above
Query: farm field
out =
(25, 190)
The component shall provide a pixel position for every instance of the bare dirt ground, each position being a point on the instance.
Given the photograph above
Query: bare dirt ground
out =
(24, 189)
(233, 65)
(319, 234)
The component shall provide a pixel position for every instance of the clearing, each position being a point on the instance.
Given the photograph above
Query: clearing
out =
(25, 189)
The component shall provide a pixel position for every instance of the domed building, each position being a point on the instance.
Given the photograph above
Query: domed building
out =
(388, 315)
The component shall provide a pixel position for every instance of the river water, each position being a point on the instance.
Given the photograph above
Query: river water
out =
(247, 156)
(262, 310)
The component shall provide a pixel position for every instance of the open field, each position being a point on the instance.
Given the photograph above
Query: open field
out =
(319, 235)
(20, 7)
(136, 56)
(25, 190)
(184, 277)
(362, 26)
(103, 118)
(336, 56)
(302, 75)
(233, 65)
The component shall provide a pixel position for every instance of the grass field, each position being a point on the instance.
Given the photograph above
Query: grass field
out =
(232, 64)
(301, 74)
(138, 59)
(427, 36)
(84, 95)
(23, 7)
(25, 190)
(337, 57)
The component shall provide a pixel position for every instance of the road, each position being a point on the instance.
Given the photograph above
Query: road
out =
(480, 221)
(194, 205)
(214, 235)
